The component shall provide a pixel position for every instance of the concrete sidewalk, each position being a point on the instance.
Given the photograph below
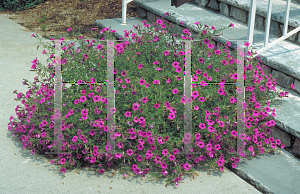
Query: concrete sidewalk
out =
(23, 172)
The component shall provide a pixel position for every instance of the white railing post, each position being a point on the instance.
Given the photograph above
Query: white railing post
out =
(287, 12)
(277, 41)
(124, 10)
(267, 28)
(251, 21)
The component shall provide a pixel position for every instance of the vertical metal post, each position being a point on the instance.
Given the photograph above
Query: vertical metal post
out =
(251, 21)
(124, 10)
(267, 28)
(286, 21)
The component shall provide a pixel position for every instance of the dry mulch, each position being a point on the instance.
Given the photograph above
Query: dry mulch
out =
(62, 15)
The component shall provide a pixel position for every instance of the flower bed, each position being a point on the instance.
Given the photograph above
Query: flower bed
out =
(150, 108)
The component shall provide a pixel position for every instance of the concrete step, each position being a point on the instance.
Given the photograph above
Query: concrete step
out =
(239, 10)
(265, 171)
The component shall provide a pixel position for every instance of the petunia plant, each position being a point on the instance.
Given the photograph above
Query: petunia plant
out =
(150, 104)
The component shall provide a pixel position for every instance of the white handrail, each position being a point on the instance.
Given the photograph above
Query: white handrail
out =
(278, 40)
(267, 28)
(124, 10)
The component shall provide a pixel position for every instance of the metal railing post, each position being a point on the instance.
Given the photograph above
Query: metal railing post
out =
(286, 21)
(267, 28)
(251, 21)
(124, 10)
(277, 41)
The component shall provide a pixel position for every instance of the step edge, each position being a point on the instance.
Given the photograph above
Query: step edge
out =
(249, 179)
(248, 176)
